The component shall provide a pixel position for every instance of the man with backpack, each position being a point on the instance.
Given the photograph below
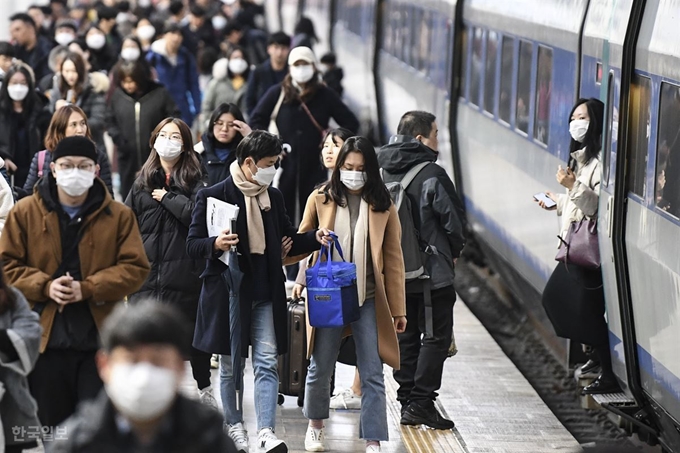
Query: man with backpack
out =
(432, 220)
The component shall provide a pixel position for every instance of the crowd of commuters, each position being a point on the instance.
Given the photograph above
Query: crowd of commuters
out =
(101, 301)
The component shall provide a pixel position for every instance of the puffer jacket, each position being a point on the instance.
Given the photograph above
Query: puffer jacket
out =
(21, 332)
(174, 277)
(93, 102)
(581, 200)
(437, 210)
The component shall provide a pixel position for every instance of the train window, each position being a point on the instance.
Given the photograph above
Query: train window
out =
(640, 115)
(668, 151)
(490, 71)
(464, 63)
(524, 86)
(426, 27)
(504, 103)
(476, 65)
(543, 91)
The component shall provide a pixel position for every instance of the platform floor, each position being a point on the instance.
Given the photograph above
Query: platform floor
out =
(494, 407)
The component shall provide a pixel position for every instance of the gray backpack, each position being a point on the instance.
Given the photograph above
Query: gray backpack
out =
(414, 248)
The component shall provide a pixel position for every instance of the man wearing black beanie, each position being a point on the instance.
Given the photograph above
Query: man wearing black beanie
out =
(75, 253)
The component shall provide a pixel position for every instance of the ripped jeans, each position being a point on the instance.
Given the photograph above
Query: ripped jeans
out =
(265, 367)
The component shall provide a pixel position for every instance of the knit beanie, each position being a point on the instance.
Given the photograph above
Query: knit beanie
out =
(75, 146)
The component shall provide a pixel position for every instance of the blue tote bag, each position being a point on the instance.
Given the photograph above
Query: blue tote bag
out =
(332, 296)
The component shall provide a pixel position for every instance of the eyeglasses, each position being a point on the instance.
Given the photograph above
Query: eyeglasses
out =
(83, 167)
(175, 136)
(219, 124)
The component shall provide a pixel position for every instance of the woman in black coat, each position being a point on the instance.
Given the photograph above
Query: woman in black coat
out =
(23, 121)
(217, 147)
(136, 106)
(162, 198)
(301, 130)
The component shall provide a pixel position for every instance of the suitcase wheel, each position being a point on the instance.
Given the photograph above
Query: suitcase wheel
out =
(281, 399)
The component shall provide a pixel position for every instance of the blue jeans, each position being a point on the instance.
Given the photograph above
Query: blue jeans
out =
(373, 419)
(265, 367)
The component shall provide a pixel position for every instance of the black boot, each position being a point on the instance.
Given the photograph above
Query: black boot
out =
(603, 384)
(591, 367)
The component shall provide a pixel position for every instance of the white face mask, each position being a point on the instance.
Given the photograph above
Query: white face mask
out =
(578, 129)
(17, 92)
(219, 22)
(75, 182)
(64, 39)
(167, 149)
(353, 180)
(143, 3)
(130, 54)
(96, 41)
(141, 391)
(146, 32)
(302, 74)
(265, 176)
(238, 65)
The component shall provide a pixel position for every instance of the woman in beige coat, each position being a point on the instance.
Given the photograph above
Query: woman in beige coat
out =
(356, 205)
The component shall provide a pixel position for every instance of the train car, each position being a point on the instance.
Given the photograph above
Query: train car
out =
(519, 80)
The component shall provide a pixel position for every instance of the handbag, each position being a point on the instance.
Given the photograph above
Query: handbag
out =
(581, 246)
(332, 296)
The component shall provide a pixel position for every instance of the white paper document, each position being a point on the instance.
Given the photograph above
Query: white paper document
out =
(218, 218)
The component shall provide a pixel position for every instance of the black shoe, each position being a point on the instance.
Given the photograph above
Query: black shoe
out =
(602, 385)
(591, 367)
(425, 414)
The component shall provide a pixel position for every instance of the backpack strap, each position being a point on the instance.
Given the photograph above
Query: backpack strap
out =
(412, 173)
(41, 162)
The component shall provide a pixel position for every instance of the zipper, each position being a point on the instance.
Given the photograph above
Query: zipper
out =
(138, 109)
(159, 257)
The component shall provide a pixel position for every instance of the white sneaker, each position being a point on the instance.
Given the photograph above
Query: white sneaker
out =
(269, 443)
(314, 439)
(346, 400)
(239, 435)
(215, 361)
(373, 449)
(206, 397)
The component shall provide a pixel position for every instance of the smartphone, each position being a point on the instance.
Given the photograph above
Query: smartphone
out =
(549, 203)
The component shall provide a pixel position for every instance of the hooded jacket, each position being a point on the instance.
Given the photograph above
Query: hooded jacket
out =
(437, 210)
(180, 79)
(221, 90)
(217, 170)
(112, 259)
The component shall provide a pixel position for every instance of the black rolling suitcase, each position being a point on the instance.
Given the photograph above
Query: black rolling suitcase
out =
(293, 365)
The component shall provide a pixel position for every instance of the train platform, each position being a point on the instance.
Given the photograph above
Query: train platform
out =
(494, 407)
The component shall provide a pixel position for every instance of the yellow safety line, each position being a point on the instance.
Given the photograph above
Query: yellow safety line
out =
(419, 440)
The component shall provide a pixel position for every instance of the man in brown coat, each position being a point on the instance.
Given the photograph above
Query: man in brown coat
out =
(75, 253)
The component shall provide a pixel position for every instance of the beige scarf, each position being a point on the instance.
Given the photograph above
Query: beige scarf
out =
(358, 252)
(257, 200)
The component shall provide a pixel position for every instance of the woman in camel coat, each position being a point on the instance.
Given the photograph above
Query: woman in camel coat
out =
(356, 205)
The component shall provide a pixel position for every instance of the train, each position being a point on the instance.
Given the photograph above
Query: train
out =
(501, 77)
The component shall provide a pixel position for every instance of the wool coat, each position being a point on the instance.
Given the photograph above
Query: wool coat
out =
(384, 232)
(212, 323)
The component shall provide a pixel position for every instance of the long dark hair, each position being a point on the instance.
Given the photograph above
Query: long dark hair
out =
(374, 192)
(186, 173)
(79, 63)
(6, 103)
(219, 111)
(341, 133)
(593, 139)
(7, 297)
(138, 71)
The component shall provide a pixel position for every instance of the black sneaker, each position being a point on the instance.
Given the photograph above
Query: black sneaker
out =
(591, 367)
(425, 414)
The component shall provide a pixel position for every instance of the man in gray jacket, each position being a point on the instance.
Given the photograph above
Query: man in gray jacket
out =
(439, 218)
